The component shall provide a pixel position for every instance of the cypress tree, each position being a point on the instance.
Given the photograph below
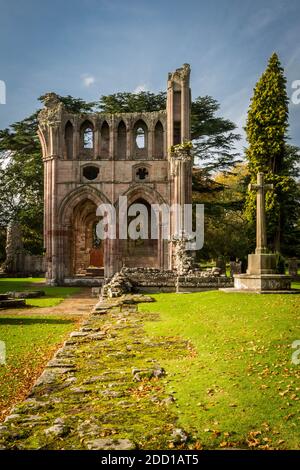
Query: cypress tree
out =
(266, 129)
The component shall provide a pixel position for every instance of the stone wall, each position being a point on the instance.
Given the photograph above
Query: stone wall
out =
(19, 262)
(95, 158)
(25, 264)
(154, 280)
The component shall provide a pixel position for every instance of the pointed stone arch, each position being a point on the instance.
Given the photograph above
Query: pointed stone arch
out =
(159, 140)
(141, 253)
(142, 191)
(121, 140)
(87, 135)
(69, 135)
(77, 218)
(140, 139)
(104, 142)
(74, 197)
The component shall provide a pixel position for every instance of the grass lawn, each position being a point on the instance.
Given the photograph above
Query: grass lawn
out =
(30, 342)
(54, 295)
(236, 385)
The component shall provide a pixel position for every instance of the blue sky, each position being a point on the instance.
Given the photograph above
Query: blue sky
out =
(91, 47)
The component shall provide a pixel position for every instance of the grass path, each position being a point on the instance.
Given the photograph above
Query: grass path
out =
(31, 337)
(104, 389)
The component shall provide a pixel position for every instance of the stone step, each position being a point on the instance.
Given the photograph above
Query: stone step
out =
(12, 303)
(26, 294)
(3, 296)
(92, 272)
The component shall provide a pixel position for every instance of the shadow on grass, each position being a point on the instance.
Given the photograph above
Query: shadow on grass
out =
(33, 321)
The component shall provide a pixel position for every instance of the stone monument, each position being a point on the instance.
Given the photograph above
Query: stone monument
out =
(261, 276)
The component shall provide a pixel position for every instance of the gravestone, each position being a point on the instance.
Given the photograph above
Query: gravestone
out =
(293, 267)
(221, 264)
(235, 268)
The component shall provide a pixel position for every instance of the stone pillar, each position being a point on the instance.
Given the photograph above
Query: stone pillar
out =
(178, 105)
(14, 247)
(112, 140)
(261, 274)
(261, 262)
(150, 142)
(47, 217)
(129, 141)
(181, 163)
(261, 230)
(96, 142)
(50, 118)
(76, 141)
(178, 132)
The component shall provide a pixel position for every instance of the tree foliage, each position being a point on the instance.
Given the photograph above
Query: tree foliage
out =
(21, 175)
(268, 151)
(213, 137)
(225, 223)
(126, 102)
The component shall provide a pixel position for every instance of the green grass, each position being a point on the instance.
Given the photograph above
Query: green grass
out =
(30, 341)
(236, 386)
(53, 297)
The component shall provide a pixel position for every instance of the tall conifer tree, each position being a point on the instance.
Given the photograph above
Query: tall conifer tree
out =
(266, 129)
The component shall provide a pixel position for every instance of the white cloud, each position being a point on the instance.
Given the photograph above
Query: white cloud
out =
(141, 87)
(88, 80)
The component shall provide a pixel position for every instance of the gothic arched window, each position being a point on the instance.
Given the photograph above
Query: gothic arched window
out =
(69, 140)
(104, 140)
(121, 147)
(87, 135)
(140, 138)
(159, 140)
(88, 138)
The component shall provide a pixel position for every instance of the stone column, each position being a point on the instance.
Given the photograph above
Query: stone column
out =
(181, 163)
(129, 141)
(76, 141)
(50, 134)
(96, 143)
(150, 142)
(261, 230)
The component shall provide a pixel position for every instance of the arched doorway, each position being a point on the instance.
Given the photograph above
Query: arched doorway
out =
(88, 250)
(96, 253)
(140, 252)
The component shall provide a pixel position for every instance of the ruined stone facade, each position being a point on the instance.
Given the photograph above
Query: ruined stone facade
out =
(20, 262)
(95, 158)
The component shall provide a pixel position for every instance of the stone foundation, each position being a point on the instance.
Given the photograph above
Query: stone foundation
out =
(83, 282)
(262, 282)
(263, 263)
(155, 280)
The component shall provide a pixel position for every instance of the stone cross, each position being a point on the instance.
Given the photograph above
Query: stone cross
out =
(261, 231)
